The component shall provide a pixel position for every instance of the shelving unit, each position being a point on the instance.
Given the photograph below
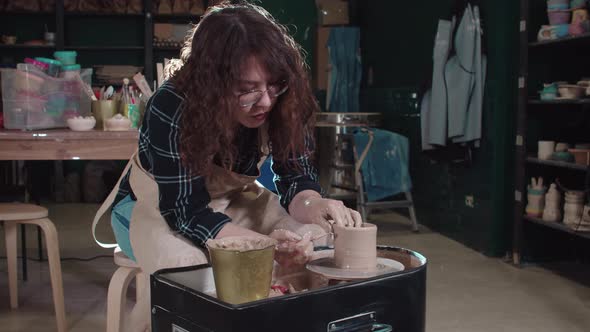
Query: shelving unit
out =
(24, 46)
(144, 21)
(105, 48)
(567, 40)
(554, 163)
(560, 101)
(557, 226)
(547, 61)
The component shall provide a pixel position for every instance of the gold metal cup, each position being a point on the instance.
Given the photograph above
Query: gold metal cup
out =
(102, 111)
(242, 276)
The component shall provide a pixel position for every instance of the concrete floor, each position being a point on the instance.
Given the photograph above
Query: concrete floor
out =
(466, 290)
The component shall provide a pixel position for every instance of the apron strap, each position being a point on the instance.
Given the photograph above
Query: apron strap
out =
(107, 204)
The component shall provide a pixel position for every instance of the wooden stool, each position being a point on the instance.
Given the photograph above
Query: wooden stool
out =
(117, 294)
(16, 213)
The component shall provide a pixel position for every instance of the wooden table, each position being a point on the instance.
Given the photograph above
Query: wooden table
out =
(65, 144)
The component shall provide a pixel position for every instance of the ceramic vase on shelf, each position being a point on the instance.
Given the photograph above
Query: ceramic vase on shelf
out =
(535, 198)
(573, 208)
(552, 210)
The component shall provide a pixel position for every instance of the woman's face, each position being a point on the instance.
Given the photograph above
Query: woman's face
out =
(256, 95)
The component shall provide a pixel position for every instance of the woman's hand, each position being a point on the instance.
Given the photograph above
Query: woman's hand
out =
(292, 249)
(309, 207)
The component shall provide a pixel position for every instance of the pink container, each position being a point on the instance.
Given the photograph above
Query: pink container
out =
(557, 17)
(41, 65)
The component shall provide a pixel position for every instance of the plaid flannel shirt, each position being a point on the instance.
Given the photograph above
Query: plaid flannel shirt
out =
(183, 198)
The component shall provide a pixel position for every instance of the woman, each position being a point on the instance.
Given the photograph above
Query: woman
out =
(239, 92)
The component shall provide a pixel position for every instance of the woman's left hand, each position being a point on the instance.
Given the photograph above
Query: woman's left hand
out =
(309, 207)
(292, 249)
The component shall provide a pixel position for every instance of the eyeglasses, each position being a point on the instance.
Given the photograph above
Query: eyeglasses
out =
(251, 98)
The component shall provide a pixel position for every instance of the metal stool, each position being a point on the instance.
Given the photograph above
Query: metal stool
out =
(17, 213)
(117, 294)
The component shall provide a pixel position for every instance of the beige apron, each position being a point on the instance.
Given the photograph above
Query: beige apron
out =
(248, 204)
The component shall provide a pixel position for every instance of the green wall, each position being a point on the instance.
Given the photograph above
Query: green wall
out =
(397, 41)
(300, 18)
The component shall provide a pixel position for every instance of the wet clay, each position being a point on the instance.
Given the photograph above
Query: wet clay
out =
(355, 247)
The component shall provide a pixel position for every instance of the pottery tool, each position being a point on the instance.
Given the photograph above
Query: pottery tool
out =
(160, 73)
(143, 86)
(109, 92)
(321, 236)
(87, 89)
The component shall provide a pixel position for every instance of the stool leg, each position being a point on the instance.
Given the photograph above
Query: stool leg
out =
(412, 212)
(117, 297)
(139, 319)
(39, 244)
(10, 235)
(52, 243)
(141, 283)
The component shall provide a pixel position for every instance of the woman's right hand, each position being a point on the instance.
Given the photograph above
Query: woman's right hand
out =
(292, 249)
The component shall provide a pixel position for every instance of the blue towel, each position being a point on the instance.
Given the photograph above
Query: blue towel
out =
(385, 169)
(266, 178)
(345, 76)
(120, 217)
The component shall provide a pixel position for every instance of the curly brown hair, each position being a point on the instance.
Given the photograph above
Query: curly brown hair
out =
(210, 64)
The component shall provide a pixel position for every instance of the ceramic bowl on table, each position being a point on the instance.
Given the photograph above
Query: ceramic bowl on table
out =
(80, 123)
(571, 91)
(118, 123)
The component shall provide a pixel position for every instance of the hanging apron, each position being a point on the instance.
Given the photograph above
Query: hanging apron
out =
(473, 120)
(434, 110)
(460, 73)
(248, 204)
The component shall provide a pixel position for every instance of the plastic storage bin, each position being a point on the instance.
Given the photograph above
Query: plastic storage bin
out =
(32, 100)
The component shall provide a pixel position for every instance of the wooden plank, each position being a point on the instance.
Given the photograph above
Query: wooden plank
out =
(66, 150)
(66, 134)
(67, 145)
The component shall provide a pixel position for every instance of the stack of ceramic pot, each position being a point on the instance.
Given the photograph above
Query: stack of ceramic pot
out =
(585, 223)
(559, 15)
(573, 208)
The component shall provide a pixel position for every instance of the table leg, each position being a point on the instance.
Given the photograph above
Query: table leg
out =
(23, 239)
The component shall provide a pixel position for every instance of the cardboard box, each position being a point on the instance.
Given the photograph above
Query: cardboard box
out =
(322, 59)
(332, 12)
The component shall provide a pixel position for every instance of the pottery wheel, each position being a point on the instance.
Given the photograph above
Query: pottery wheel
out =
(326, 267)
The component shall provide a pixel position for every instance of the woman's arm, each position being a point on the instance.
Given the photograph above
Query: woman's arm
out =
(184, 198)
